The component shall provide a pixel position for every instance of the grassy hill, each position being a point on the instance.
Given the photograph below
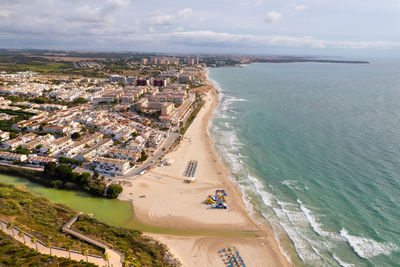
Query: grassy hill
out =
(41, 218)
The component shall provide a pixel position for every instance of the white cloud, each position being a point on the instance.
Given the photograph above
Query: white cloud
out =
(160, 19)
(252, 3)
(273, 17)
(300, 7)
(99, 14)
(258, 3)
(4, 14)
(185, 13)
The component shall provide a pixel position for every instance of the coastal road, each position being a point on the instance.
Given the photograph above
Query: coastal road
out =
(165, 146)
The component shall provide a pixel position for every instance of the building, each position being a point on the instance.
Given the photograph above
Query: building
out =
(117, 78)
(62, 130)
(113, 166)
(4, 135)
(125, 154)
(144, 61)
(142, 82)
(12, 156)
(41, 161)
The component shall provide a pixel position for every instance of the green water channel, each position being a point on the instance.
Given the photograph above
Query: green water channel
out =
(110, 211)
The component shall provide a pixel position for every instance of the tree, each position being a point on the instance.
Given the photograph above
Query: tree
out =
(13, 135)
(95, 174)
(22, 234)
(69, 185)
(50, 169)
(84, 178)
(68, 247)
(11, 226)
(85, 252)
(114, 190)
(48, 243)
(56, 184)
(34, 241)
(75, 135)
(143, 156)
(64, 172)
(105, 257)
(80, 100)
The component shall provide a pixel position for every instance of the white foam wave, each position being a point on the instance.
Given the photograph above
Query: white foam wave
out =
(265, 196)
(366, 247)
(315, 225)
(342, 263)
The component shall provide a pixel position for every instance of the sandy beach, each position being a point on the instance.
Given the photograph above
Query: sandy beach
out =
(161, 197)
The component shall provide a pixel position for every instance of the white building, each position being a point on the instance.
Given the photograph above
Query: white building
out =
(113, 166)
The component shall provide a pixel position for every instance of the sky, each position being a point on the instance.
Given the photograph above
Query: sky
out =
(207, 26)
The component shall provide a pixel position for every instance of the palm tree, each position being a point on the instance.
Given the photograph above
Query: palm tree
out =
(85, 252)
(11, 226)
(34, 241)
(21, 234)
(105, 256)
(48, 243)
(69, 250)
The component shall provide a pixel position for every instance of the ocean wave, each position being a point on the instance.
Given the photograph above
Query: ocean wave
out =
(259, 188)
(342, 263)
(314, 224)
(291, 184)
(366, 247)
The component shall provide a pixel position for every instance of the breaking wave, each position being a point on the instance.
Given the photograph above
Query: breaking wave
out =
(366, 247)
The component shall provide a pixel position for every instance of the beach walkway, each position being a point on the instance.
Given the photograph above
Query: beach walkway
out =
(115, 258)
(41, 247)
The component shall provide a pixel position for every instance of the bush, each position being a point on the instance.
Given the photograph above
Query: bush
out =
(64, 160)
(114, 190)
(75, 135)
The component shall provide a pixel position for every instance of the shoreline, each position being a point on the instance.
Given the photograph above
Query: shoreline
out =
(161, 198)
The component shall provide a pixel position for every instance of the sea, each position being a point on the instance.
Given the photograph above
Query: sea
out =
(315, 147)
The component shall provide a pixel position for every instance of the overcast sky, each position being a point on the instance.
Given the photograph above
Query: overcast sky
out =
(205, 26)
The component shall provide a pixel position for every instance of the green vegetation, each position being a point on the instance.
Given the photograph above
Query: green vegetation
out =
(39, 217)
(114, 190)
(43, 219)
(62, 176)
(64, 160)
(20, 150)
(143, 156)
(20, 115)
(138, 250)
(192, 116)
(13, 253)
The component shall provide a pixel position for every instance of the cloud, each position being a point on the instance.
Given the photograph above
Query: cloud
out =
(99, 14)
(158, 18)
(252, 3)
(216, 39)
(185, 13)
(273, 17)
(300, 7)
(4, 14)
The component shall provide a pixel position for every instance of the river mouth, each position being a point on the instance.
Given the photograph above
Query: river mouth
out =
(110, 211)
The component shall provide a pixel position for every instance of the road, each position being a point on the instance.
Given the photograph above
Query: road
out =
(168, 142)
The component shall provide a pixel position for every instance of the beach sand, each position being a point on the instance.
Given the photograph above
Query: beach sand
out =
(161, 197)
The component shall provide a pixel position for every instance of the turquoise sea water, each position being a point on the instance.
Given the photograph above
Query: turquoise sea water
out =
(317, 149)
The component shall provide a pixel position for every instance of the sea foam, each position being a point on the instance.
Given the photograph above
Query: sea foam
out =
(366, 247)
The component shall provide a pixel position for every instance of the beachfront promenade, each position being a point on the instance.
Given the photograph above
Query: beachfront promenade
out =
(115, 258)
